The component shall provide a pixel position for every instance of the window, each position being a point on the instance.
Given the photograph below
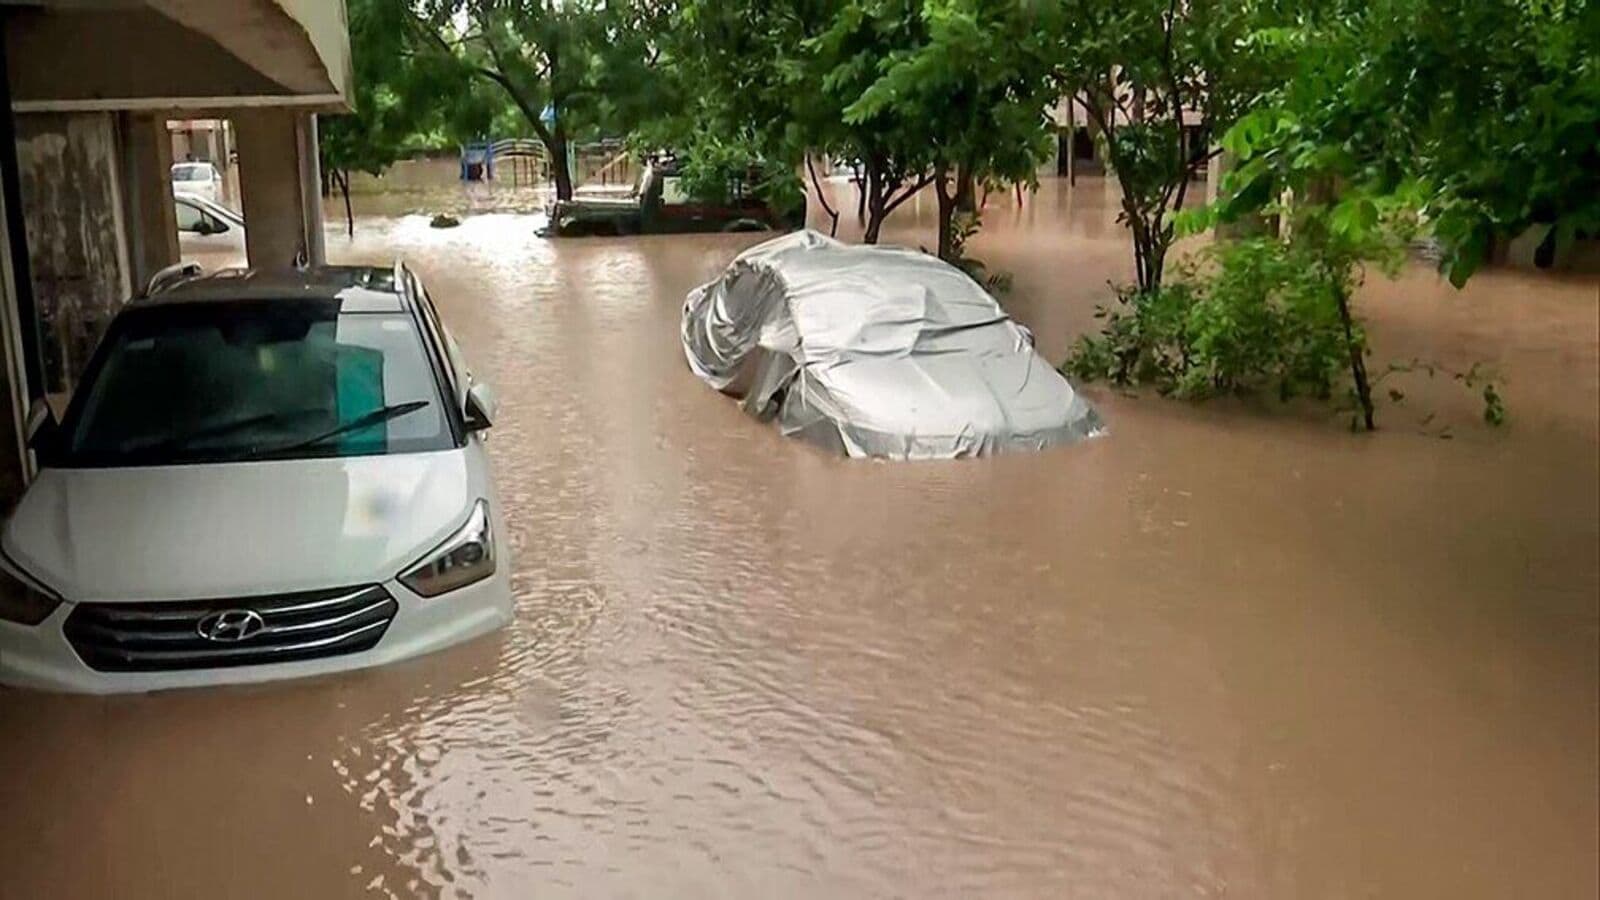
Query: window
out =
(193, 172)
(189, 218)
(672, 192)
(198, 221)
(233, 381)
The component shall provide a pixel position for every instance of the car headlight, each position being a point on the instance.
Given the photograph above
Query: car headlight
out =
(22, 601)
(465, 557)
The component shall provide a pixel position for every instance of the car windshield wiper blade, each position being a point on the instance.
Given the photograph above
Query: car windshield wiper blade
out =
(183, 440)
(377, 416)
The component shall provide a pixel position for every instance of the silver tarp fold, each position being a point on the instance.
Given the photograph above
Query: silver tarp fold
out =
(878, 352)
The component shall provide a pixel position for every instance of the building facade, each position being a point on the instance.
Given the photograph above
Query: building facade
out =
(86, 155)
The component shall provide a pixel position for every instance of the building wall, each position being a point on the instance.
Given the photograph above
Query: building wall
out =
(72, 200)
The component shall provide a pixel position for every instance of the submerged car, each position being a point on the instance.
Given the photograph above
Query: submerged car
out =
(876, 352)
(658, 204)
(261, 475)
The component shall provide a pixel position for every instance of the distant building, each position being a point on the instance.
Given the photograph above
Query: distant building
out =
(202, 140)
(1078, 149)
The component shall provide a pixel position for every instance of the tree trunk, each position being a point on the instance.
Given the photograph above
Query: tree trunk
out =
(877, 196)
(560, 168)
(966, 192)
(1155, 261)
(1358, 362)
(863, 187)
(949, 203)
(343, 177)
(822, 198)
(1142, 249)
(875, 217)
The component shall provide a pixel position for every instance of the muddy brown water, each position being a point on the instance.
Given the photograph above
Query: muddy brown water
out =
(1228, 650)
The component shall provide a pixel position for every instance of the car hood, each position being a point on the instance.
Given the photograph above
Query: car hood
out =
(235, 529)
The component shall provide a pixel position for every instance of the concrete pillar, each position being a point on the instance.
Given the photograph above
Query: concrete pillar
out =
(147, 177)
(311, 189)
(282, 203)
(1214, 171)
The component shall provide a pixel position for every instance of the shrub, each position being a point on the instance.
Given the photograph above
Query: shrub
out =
(1251, 316)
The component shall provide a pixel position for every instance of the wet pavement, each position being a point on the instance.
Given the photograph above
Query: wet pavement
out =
(1230, 650)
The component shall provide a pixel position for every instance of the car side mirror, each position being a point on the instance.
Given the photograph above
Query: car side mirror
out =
(41, 425)
(480, 407)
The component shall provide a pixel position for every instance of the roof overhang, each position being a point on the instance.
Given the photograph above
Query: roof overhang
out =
(177, 55)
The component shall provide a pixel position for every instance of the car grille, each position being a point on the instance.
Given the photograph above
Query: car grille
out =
(162, 637)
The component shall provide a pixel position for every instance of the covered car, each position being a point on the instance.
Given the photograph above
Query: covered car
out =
(876, 352)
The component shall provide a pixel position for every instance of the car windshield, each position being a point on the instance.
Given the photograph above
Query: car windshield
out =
(236, 381)
(191, 172)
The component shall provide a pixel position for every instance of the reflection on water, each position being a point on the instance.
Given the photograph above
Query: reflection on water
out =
(1230, 651)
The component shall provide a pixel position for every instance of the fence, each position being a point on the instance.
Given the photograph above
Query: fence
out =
(527, 162)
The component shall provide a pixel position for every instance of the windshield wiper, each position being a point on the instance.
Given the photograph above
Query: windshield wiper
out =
(377, 416)
(183, 440)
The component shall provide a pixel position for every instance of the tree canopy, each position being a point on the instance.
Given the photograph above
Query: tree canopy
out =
(575, 68)
(1482, 114)
(1483, 111)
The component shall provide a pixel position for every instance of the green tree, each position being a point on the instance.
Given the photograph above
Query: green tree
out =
(1143, 70)
(570, 68)
(912, 92)
(398, 101)
(723, 91)
(839, 66)
(1474, 119)
(1488, 111)
(965, 93)
(774, 78)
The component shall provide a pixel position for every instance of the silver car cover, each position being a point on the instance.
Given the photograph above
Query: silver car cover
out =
(876, 352)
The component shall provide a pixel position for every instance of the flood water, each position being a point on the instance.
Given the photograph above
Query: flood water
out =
(1230, 650)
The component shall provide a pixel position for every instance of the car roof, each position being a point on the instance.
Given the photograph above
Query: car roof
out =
(356, 289)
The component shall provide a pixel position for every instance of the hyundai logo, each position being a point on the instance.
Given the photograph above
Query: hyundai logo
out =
(230, 626)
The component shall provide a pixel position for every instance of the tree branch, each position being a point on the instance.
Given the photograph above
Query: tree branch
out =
(922, 181)
(498, 75)
(822, 198)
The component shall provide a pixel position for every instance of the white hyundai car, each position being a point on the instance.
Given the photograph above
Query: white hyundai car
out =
(260, 476)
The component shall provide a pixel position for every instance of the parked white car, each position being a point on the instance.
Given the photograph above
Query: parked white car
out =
(199, 178)
(208, 228)
(261, 476)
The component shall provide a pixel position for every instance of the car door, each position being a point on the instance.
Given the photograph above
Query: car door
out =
(201, 232)
(681, 211)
